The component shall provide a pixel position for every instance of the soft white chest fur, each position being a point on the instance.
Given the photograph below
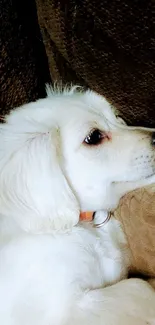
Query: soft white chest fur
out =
(44, 278)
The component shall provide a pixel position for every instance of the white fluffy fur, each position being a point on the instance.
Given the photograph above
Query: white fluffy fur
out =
(47, 176)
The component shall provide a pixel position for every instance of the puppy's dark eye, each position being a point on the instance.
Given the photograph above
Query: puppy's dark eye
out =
(94, 137)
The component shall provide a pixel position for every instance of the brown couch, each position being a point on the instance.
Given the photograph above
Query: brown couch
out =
(108, 46)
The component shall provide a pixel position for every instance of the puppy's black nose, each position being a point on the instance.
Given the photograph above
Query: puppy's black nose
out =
(153, 139)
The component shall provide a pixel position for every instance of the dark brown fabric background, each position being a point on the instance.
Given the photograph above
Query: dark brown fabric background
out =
(108, 45)
(23, 62)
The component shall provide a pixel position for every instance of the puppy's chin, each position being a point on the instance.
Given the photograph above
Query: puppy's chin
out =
(119, 189)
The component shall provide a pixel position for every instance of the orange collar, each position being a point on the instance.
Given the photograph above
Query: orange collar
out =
(86, 216)
(89, 216)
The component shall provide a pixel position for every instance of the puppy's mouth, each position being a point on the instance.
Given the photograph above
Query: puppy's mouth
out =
(148, 176)
(140, 178)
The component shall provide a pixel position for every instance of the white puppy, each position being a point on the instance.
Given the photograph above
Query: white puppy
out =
(59, 156)
(65, 154)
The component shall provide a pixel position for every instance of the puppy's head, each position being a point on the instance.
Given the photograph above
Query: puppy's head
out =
(63, 154)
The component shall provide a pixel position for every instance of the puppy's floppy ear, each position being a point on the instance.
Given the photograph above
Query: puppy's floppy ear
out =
(34, 190)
